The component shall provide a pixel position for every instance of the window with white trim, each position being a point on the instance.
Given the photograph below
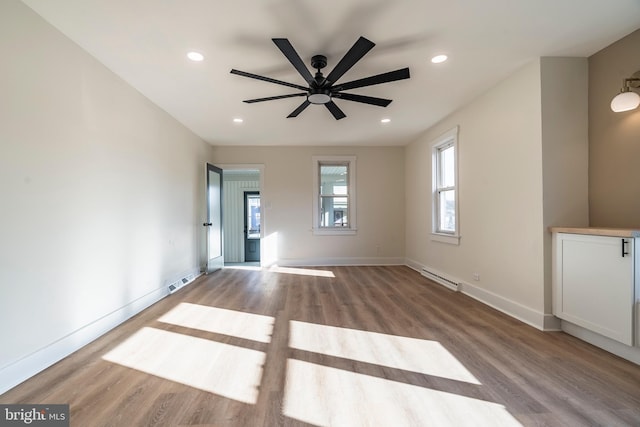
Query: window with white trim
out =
(334, 206)
(445, 188)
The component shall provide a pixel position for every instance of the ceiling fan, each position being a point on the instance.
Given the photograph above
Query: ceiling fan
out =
(323, 90)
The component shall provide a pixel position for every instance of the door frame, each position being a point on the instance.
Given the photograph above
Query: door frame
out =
(263, 207)
(218, 262)
(245, 196)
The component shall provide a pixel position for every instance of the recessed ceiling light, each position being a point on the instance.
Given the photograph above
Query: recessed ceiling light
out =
(438, 59)
(195, 56)
(238, 120)
(385, 120)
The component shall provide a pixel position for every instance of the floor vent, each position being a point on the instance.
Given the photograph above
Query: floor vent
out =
(174, 286)
(438, 278)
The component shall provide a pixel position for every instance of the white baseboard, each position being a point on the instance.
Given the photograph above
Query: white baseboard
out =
(541, 321)
(415, 265)
(342, 261)
(514, 309)
(551, 323)
(28, 366)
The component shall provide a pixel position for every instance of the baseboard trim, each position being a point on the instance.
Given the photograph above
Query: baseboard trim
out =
(514, 309)
(19, 371)
(414, 265)
(552, 323)
(541, 321)
(342, 261)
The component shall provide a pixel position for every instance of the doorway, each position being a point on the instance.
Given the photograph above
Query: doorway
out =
(251, 226)
(243, 225)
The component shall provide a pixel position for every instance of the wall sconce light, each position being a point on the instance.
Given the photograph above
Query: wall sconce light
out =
(627, 100)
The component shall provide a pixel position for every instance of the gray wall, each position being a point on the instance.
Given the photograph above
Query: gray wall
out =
(614, 138)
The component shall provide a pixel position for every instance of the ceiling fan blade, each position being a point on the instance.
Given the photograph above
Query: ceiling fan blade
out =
(271, 98)
(287, 49)
(391, 76)
(357, 51)
(380, 102)
(335, 110)
(267, 79)
(299, 110)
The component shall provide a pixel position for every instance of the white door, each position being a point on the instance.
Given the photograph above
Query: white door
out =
(215, 254)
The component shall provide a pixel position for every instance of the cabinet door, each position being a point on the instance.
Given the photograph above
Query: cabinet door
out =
(597, 284)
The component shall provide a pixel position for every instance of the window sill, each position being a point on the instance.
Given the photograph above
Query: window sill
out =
(334, 231)
(445, 238)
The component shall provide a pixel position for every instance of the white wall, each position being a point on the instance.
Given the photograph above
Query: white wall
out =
(102, 196)
(287, 205)
(523, 158)
(500, 191)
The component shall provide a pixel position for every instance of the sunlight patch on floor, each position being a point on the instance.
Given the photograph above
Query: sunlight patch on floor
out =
(326, 396)
(302, 271)
(284, 270)
(221, 321)
(243, 267)
(410, 354)
(223, 369)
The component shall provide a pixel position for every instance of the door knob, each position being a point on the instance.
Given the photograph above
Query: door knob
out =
(207, 224)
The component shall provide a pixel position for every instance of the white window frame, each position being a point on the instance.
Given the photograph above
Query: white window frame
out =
(447, 139)
(334, 231)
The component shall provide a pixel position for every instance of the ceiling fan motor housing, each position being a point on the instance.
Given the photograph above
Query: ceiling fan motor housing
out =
(318, 62)
(318, 95)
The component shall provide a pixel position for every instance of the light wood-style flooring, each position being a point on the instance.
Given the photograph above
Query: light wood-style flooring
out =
(338, 346)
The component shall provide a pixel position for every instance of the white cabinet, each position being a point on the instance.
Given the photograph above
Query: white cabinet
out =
(594, 282)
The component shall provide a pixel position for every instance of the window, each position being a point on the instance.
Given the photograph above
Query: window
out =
(445, 188)
(334, 207)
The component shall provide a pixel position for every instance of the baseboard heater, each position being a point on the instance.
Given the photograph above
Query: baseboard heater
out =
(438, 278)
(173, 287)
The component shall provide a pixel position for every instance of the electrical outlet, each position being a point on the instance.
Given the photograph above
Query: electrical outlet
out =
(476, 277)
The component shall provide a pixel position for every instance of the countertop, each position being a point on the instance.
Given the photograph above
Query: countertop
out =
(598, 231)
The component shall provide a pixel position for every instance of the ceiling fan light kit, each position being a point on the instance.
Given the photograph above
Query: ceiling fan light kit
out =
(319, 97)
(323, 90)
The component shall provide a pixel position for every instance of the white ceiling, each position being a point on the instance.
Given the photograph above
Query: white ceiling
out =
(145, 42)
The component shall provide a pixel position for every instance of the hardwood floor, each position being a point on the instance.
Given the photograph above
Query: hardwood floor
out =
(378, 346)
